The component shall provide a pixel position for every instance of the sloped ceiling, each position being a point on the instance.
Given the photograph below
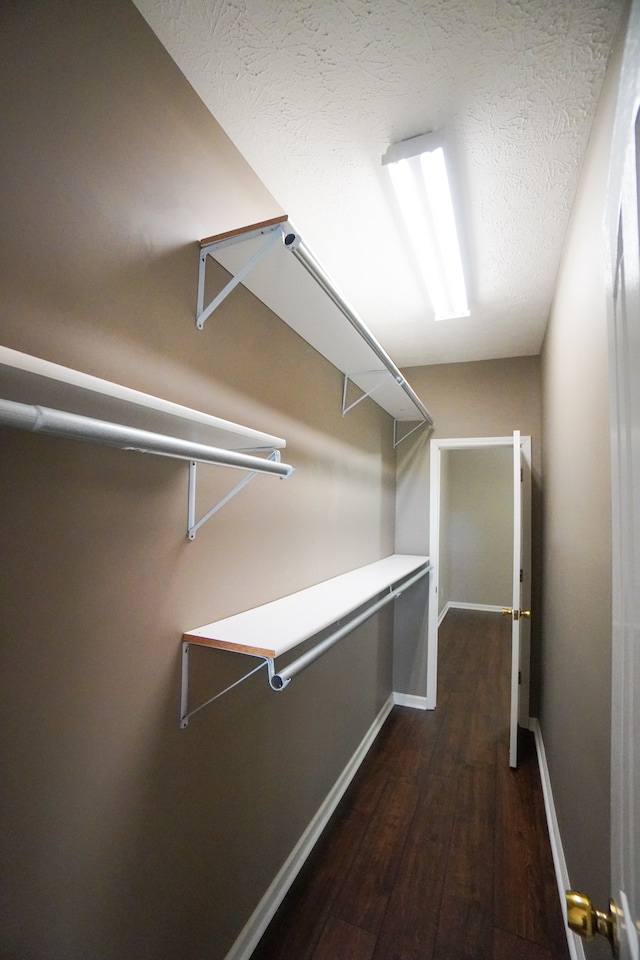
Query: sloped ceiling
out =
(312, 92)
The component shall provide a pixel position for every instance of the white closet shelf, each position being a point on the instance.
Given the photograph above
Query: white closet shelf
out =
(272, 261)
(30, 380)
(44, 397)
(273, 628)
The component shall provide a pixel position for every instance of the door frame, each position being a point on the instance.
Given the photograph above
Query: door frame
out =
(436, 449)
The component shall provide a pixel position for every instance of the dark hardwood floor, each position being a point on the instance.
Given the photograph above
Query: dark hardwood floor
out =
(438, 850)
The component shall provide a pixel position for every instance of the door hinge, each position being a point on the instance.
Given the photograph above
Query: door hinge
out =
(521, 576)
(521, 474)
(519, 676)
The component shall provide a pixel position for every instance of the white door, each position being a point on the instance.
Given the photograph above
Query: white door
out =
(521, 599)
(623, 250)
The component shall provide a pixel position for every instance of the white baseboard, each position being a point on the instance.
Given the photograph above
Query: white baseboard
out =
(445, 611)
(490, 607)
(410, 700)
(458, 605)
(576, 949)
(264, 912)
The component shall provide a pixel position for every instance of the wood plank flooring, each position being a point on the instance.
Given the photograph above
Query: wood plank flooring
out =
(438, 850)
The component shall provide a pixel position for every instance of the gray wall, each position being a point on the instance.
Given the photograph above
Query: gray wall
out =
(123, 836)
(576, 699)
(445, 572)
(476, 533)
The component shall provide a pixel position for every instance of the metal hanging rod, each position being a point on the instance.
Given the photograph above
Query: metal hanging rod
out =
(279, 680)
(293, 242)
(38, 419)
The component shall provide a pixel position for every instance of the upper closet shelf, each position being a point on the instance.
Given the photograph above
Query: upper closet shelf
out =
(43, 397)
(30, 380)
(267, 259)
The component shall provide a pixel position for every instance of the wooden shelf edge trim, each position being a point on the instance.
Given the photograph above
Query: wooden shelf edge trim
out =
(248, 229)
(226, 645)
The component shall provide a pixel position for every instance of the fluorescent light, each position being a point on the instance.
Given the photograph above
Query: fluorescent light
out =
(419, 177)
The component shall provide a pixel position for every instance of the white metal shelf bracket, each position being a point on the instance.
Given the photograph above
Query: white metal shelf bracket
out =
(273, 233)
(194, 525)
(363, 393)
(185, 713)
(399, 438)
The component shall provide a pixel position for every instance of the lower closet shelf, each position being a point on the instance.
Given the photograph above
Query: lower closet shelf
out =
(274, 628)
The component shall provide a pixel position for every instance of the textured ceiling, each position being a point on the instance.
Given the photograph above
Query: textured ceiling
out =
(312, 92)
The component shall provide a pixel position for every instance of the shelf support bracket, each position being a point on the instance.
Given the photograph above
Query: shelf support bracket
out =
(194, 525)
(364, 394)
(273, 234)
(398, 439)
(185, 713)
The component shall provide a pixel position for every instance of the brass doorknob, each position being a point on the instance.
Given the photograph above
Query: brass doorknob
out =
(516, 614)
(585, 920)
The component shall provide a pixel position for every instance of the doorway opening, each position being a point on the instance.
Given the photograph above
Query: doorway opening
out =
(480, 548)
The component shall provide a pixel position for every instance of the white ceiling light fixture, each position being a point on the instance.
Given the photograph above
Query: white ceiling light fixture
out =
(419, 177)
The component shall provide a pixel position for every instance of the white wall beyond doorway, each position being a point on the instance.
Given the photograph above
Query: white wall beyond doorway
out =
(476, 528)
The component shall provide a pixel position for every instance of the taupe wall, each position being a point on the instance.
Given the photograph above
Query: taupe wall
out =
(576, 700)
(488, 398)
(476, 533)
(123, 836)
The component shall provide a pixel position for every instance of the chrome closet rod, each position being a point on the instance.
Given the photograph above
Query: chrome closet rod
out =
(60, 423)
(301, 252)
(280, 680)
